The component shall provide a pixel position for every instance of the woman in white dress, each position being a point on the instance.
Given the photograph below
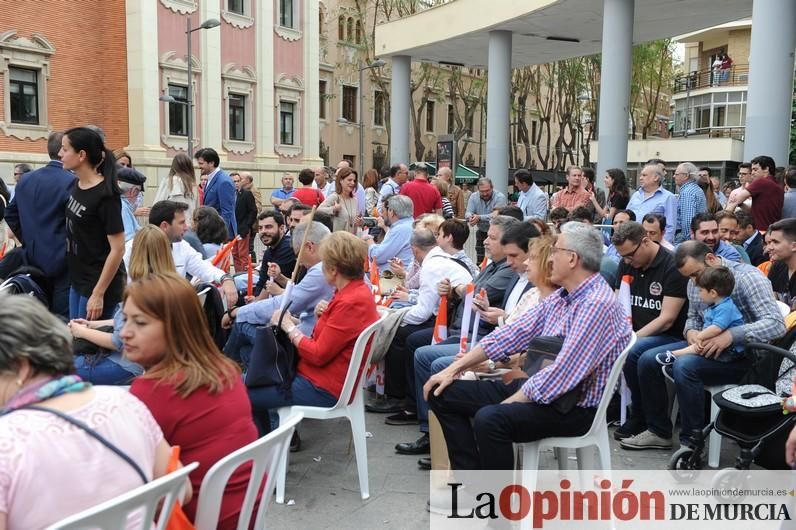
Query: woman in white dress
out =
(180, 185)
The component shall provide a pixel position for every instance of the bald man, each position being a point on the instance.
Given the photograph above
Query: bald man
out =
(455, 194)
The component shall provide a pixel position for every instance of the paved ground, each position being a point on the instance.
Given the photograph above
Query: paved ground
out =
(322, 478)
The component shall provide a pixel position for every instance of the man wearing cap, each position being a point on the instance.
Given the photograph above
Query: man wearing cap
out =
(131, 182)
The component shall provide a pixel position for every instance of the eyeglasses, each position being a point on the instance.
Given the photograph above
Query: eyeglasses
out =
(630, 256)
(556, 249)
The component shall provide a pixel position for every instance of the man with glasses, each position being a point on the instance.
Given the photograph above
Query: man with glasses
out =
(657, 303)
(691, 373)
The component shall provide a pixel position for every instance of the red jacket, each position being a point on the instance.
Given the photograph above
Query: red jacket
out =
(324, 358)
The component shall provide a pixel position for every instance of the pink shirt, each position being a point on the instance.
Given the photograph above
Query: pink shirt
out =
(50, 469)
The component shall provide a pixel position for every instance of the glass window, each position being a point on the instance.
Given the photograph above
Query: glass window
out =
(734, 96)
(24, 88)
(430, 116)
(720, 97)
(341, 27)
(359, 32)
(322, 97)
(350, 103)
(178, 110)
(734, 115)
(286, 13)
(350, 30)
(451, 119)
(237, 117)
(719, 116)
(286, 120)
(235, 6)
(378, 108)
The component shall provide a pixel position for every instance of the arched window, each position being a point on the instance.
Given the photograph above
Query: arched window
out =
(359, 32)
(350, 30)
(341, 28)
(320, 22)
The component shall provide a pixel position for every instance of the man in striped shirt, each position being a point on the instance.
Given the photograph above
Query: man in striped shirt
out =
(595, 331)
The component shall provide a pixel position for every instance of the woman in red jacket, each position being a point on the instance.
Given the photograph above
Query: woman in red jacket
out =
(324, 357)
(194, 392)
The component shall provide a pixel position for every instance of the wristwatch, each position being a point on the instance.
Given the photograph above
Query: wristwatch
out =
(491, 365)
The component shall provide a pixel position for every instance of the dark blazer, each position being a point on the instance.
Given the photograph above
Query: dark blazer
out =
(220, 194)
(245, 212)
(510, 287)
(755, 250)
(37, 216)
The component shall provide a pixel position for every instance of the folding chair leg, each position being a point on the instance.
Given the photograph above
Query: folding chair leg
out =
(281, 470)
(357, 419)
(561, 455)
(714, 444)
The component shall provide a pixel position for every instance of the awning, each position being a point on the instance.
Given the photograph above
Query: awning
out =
(462, 173)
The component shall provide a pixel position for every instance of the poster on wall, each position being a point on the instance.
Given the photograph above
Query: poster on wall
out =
(445, 153)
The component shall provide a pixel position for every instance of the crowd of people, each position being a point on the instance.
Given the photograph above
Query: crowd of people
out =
(707, 270)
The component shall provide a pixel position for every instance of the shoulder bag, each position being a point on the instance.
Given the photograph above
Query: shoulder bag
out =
(541, 353)
(273, 358)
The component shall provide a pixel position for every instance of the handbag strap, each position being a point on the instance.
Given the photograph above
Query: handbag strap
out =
(94, 434)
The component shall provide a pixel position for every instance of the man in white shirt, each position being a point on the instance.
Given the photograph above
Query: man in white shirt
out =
(532, 200)
(169, 216)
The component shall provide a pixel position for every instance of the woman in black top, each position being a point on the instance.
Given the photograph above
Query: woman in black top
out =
(94, 228)
(618, 195)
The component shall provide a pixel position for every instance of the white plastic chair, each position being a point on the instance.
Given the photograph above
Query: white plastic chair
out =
(783, 308)
(203, 295)
(265, 455)
(142, 501)
(596, 436)
(351, 405)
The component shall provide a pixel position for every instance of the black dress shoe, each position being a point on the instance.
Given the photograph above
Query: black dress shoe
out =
(421, 446)
(384, 406)
(295, 442)
(402, 418)
(424, 463)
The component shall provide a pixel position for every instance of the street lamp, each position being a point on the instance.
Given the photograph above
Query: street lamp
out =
(207, 24)
(378, 63)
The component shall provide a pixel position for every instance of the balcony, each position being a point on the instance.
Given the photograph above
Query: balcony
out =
(736, 75)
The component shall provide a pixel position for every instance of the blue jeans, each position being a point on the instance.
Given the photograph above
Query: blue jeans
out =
(60, 295)
(691, 374)
(240, 342)
(102, 372)
(78, 302)
(428, 361)
(632, 375)
(267, 398)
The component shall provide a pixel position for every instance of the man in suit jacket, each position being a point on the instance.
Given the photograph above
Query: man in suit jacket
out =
(751, 239)
(219, 192)
(245, 215)
(37, 217)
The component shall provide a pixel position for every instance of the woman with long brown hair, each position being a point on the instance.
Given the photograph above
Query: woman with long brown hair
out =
(342, 204)
(194, 392)
(180, 184)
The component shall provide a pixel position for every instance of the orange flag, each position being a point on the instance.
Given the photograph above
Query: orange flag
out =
(441, 324)
(224, 252)
(3, 250)
(484, 263)
(249, 284)
(374, 280)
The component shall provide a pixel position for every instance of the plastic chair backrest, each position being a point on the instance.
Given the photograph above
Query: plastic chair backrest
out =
(358, 363)
(610, 385)
(264, 455)
(142, 501)
(203, 295)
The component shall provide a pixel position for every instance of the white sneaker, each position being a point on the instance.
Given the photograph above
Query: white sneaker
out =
(646, 440)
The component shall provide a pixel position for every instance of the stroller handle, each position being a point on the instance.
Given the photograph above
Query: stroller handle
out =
(772, 349)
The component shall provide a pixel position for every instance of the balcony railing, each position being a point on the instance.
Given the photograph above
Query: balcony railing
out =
(736, 75)
(713, 132)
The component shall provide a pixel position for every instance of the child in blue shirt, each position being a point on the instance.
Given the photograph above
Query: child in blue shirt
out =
(715, 287)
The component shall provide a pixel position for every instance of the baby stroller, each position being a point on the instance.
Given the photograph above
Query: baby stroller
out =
(749, 414)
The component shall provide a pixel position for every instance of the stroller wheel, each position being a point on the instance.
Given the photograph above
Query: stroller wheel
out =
(727, 480)
(684, 464)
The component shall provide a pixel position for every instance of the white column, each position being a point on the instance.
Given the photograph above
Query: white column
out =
(143, 78)
(210, 99)
(264, 96)
(498, 101)
(768, 102)
(400, 98)
(615, 78)
(311, 132)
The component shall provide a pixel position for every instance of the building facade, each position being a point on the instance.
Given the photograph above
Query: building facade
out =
(254, 82)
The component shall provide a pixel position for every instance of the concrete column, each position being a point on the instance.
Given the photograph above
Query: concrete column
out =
(615, 78)
(400, 98)
(498, 103)
(264, 105)
(311, 133)
(210, 100)
(143, 79)
(768, 102)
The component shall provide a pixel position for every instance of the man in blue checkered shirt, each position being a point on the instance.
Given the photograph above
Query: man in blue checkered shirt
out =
(691, 200)
(482, 419)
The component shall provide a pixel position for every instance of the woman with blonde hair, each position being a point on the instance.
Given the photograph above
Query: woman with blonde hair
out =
(324, 357)
(371, 182)
(180, 184)
(97, 344)
(194, 392)
(342, 204)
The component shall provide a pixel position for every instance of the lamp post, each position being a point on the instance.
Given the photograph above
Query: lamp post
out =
(207, 24)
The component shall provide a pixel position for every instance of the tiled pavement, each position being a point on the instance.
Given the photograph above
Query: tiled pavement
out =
(322, 478)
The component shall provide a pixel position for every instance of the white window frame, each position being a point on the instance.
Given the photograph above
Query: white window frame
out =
(279, 121)
(174, 71)
(241, 81)
(290, 90)
(245, 20)
(181, 7)
(30, 54)
(286, 33)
